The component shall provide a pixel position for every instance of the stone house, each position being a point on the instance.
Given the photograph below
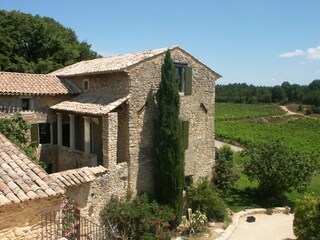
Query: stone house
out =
(101, 112)
(30, 198)
(26, 191)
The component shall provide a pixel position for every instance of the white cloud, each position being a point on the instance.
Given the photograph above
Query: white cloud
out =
(303, 62)
(295, 53)
(313, 53)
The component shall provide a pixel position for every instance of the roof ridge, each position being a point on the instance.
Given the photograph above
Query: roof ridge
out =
(137, 52)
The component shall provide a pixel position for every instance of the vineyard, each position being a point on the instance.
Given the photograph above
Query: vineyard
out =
(241, 125)
(299, 134)
(232, 111)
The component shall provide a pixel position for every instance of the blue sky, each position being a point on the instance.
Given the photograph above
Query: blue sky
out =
(252, 41)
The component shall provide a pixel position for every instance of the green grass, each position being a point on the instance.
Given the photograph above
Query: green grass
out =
(234, 111)
(244, 194)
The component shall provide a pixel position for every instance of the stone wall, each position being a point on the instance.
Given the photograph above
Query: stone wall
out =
(197, 108)
(111, 83)
(23, 221)
(92, 197)
(40, 111)
(64, 158)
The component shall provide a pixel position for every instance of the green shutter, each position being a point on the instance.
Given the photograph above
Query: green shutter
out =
(54, 133)
(34, 133)
(188, 87)
(185, 134)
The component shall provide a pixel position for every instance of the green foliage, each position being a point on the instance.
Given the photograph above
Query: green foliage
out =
(224, 177)
(204, 196)
(243, 93)
(237, 111)
(15, 129)
(296, 133)
(306, 224)
(37, 44)
(169, 173)
(137, 218)
(277, 168)
(193, 222)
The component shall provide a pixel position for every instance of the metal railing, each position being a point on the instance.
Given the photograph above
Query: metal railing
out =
(57, 225)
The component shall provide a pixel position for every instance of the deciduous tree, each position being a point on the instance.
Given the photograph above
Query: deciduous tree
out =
(277, 168)
(37, 44)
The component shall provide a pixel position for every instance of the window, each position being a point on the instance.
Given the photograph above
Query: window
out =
(184, 75)
(44, 132)
(40, 133)
(25, 104)
(85, 85)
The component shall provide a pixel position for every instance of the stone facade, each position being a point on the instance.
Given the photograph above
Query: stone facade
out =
(91, 197)
(23, 221)
(121, 138)
(197, 108)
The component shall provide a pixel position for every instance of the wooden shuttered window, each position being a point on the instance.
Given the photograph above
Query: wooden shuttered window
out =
(188, 81)
(35, 133)
(185, 134)
(54, 133)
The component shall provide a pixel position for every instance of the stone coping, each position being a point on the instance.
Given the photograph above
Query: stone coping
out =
(236, 217)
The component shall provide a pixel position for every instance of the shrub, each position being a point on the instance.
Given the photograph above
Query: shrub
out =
(277, 168)
(204, 196)
(300, 108)
(137, 218)
(306, 223)
(224, 177)
(193, 222)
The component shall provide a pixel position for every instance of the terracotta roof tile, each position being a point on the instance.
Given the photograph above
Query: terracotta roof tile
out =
(20, 178)
(109, 64)
(12, 83)
(78, 176)
(93, 104)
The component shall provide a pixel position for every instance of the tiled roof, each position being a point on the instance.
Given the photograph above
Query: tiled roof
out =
(20, 178)
(108, 64)
(34, 84)
(76, 177)
(93, 104)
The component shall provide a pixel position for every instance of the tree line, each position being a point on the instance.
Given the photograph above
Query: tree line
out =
(285, 93)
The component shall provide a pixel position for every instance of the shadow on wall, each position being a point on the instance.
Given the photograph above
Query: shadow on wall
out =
(146, 157)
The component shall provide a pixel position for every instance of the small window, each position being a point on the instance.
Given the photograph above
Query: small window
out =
(184, 76)
(25, 104)
(85, 85)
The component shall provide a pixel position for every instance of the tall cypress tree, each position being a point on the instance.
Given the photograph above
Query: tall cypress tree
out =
(169, 172)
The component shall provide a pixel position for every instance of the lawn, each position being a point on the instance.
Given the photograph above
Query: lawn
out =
(244, 195)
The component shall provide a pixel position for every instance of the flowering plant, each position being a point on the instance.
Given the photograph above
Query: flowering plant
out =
(70, 219)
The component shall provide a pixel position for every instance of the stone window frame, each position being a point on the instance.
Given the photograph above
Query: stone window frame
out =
(184, 73)
(29, 101)
(85, 85)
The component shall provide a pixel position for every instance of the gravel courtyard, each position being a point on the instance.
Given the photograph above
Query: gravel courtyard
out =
(266, 227)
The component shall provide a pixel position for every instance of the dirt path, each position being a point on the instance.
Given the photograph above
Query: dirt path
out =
(266, 227)
(219, 144)
(284, 108)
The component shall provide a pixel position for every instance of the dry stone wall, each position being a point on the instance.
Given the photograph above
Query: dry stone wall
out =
(196, 108)
(23, 221)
